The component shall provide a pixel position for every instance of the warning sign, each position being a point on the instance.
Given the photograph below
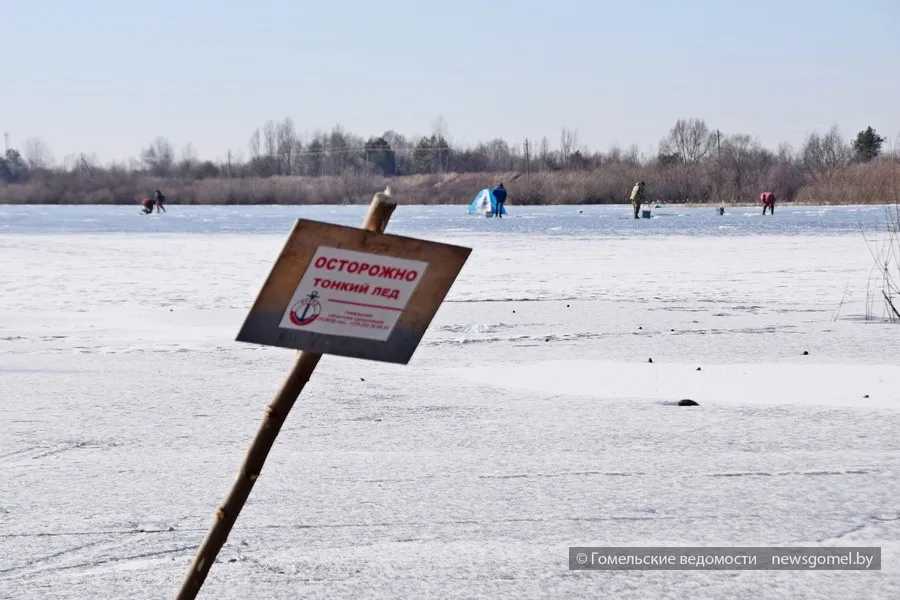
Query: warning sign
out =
(355, 294)
(352, 292)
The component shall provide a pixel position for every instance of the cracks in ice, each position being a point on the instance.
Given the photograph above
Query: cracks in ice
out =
(562, 474)
(46, 450)
(43, 559)
(872, 521)
(51, 563)
(788, 473)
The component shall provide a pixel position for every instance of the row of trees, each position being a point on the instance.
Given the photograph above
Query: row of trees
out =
(693, 162)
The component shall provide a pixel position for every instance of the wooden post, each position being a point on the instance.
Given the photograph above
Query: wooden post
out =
(380, 211)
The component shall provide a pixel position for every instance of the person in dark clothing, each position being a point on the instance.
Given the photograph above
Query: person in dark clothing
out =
(500, 196)
(160, 201)
(148, 204)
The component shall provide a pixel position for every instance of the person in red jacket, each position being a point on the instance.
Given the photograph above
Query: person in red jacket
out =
(768, 201)
(148, 204)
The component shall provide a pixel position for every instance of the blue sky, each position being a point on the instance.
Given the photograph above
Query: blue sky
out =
(106, 77)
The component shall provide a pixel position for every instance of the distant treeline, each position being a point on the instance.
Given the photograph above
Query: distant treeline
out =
(693, 165)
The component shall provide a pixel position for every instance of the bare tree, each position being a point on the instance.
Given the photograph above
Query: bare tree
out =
(38, 154)
(786, 153)
(632, 156)
(159, 157)
(296, 155)
(690, 140)
(189, 154)
(286, 143)
(498, 154)
(568, 141)
(270, 139)
(544, 153)
(255, 145)
(786, 177)
(837, 151)
(439, 128)
(737, 157)
(338, 146)
(439, 143)
(189, 159)
(823, 156)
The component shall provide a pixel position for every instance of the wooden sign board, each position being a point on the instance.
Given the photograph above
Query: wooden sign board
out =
(352, 292)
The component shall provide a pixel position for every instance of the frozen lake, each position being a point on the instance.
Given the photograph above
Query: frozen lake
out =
(529, 420)
(424, 221)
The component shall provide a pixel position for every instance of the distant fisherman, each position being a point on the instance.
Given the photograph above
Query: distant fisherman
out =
(637, 197)
(160, 201)
(500, 197)
(768, 201)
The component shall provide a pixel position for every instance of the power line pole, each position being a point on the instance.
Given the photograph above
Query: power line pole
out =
(527, 158)
(6, 141)
(86, 165)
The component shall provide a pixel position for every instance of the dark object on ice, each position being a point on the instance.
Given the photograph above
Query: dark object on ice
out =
(154, 527)
(866, 396)
(805, 353)
(361, 379)
(671, 330)
(649, 360)
(514, 310)
(687, 402)
(720, 211)
(698, 368)
(567, 306)
(640, 327)
(547, 339)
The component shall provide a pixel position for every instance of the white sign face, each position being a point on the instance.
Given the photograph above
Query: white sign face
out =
(353, 294)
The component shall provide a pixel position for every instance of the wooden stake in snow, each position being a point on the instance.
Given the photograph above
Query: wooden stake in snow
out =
(380, 211)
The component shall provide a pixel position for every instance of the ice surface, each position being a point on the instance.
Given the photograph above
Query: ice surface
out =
(529, 420)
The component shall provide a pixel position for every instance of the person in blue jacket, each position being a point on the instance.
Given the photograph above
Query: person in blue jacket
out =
(500, 196)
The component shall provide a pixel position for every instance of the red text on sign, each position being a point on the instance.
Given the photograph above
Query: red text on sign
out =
(352, 266)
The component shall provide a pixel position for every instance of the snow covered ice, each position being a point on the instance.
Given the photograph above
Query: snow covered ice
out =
(529, 420)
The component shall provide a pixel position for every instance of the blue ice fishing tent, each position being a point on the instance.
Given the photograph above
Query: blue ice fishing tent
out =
(485, 204)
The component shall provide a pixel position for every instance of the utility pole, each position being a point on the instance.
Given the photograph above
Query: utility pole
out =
(6, 141)
(229, 163)
(527, 158)
(86, 165)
